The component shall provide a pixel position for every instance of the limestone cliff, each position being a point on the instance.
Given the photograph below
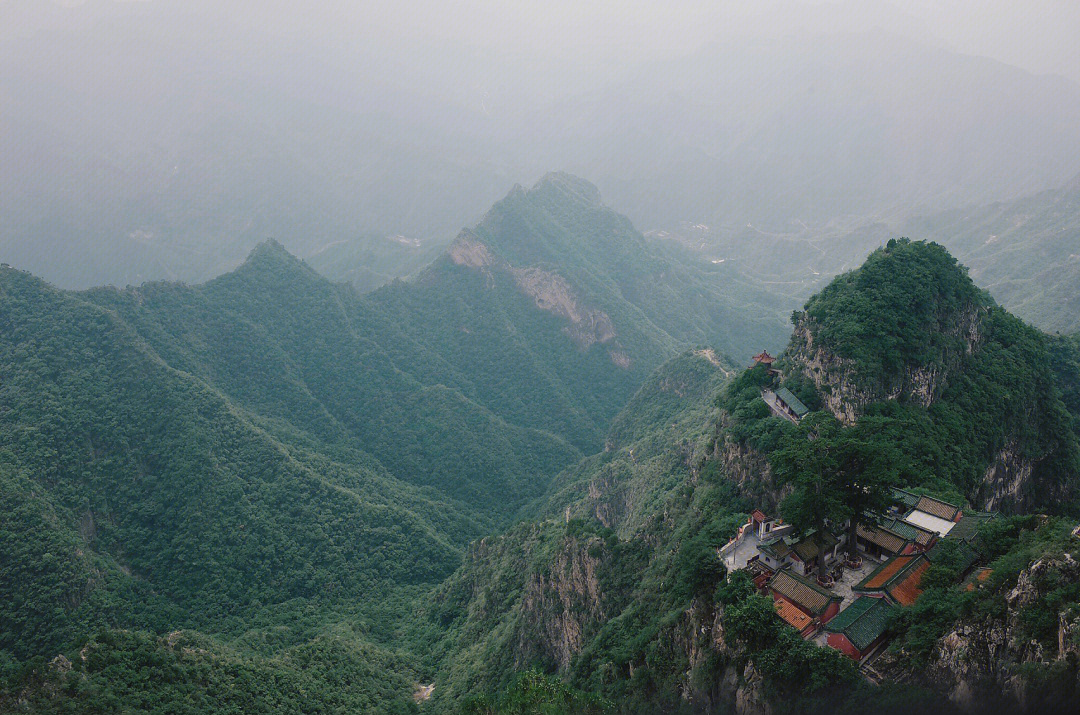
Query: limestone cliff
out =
(564, 601)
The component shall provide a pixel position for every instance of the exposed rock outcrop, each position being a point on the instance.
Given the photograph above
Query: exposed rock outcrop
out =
(832, 375)
(467, 250)
(552, 293)
(750, 697)
(749, 469)
(979, 661)
(845, 393)
(549, 291)
(561, 599)
(1005, 480)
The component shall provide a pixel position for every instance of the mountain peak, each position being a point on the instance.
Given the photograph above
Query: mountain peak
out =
(898, 326)
(901, 308)
(270, 248)
(560, 183)
(271, 261)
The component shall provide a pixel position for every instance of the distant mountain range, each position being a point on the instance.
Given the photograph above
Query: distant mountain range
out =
(174, 161)
(1024, 251)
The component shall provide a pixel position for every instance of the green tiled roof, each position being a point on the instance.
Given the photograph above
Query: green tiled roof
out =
(969, 524)
(901, 528)
(806, 547)
(793, 402)
(802, 592)
(809, 546)
(863, 621)
(966, 554)
(777, 549)
(906, 498)
(922, 537)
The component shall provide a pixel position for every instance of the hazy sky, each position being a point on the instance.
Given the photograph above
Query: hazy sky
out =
(1037, 35)
(207, 125)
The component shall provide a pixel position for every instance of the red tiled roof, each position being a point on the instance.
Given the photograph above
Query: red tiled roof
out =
(764, 357)
(982, 575)
(907, 591)
(886, 572)
(758, 515)
(791, 614)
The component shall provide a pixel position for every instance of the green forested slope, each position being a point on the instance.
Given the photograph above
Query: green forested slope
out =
(138, 494)
(268, 458)
(235, 459)
(619, 591)
(1026, 252)
(975, 393)
(597, 568)
(308, 356)
(272, 493)
(611, 309)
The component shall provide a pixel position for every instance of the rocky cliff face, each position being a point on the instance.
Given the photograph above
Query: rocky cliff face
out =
(981, 660)
(1015, 476)
(563, 600)
(548, 290)
(845, 393)
(1005, 480)
(715, 676)
(552, 293)
(534, 596)
(748, 469)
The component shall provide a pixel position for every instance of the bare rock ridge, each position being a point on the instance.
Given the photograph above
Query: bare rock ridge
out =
(552, 292)
(466, 250)
(549, 292)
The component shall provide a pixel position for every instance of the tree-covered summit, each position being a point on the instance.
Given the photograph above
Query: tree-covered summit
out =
(903, 307)
(908, 350)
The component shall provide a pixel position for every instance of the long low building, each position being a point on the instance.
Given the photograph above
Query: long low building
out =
(926, 512)
(893, 537)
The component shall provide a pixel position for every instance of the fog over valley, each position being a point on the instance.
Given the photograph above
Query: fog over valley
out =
(148, 140)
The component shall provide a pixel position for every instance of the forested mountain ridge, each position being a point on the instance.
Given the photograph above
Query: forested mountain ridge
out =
(142, 495)
(269, 460)
(910, 327)
(1023, 251)
(555, 285)
(285, 485)
(618, 588)
(243, 459)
